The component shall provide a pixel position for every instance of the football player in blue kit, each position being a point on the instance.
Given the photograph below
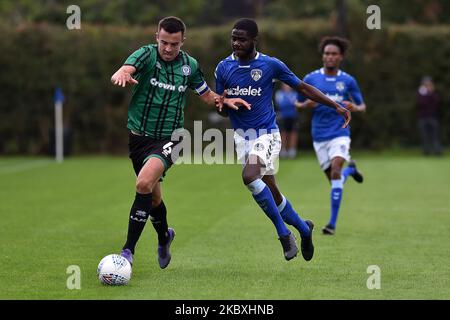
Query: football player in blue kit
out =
(249, 74)
(331, 141)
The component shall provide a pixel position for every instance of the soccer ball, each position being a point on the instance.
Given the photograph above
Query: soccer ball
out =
(114, 270)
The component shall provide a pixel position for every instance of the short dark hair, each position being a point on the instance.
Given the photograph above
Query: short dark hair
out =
(341, 43)
(172, 25)
(248, 25)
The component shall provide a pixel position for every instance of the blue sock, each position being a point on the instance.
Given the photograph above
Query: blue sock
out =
(291, 217)
(262, 195)
(336, 197)
(349, 171)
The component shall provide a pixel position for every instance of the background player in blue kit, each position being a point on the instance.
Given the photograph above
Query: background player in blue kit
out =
(331, 141)
(285, 99)
(249, 74)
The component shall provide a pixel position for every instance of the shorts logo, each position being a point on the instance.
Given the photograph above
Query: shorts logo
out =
(167, 149)
(269, 151)
(340, 86)
(186, 70)
(258, 147)
(343, 148)
(256, 74)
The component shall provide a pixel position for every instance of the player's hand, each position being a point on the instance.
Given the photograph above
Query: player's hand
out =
(121, 78)
(235, 103)
(232, 103)
(349, 105)
(346, 114)
(219, 100)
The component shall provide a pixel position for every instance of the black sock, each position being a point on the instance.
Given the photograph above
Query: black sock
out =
(139, 213)
(158, 218)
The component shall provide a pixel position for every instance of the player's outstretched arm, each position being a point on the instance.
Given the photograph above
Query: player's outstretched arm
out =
(317, 96)
(124, 76)
(212, 98)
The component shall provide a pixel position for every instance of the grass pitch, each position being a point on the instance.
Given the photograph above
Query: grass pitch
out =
(57, 215)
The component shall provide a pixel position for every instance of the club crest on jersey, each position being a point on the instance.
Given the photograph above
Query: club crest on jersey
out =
(256, 74)
(340, 86)
(186, 70)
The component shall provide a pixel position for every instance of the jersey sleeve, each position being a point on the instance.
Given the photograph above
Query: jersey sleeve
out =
(220, 86)
(283, 73)
(355, 92)
(140, 58)
(197, 81)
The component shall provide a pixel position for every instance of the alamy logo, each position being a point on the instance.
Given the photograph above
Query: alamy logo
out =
(374, 280)
(74, 20)
(249, 91)
(256, 74)
(374, 20)
(74, 279)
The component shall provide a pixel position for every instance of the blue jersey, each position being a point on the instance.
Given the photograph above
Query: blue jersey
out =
(285, 101)
(253, 81)
(326, 122)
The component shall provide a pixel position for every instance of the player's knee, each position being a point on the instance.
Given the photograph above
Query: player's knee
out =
(144, 185)
(248, 177)
(335, 173)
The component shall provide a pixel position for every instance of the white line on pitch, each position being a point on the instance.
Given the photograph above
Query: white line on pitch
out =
(23, 166)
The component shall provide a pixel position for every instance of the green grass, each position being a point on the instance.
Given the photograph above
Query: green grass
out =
(74, 213)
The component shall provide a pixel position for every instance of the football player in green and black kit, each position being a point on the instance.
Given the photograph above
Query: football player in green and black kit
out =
(161, 73)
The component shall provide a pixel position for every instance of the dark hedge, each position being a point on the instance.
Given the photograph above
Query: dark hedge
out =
(387, 63)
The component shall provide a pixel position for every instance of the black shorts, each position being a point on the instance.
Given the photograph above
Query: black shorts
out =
(288, 124)
(142, 148)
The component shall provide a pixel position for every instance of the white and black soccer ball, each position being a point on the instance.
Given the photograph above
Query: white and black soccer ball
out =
(114, 270)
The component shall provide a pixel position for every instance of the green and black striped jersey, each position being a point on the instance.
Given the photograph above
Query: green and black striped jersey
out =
(158, 100)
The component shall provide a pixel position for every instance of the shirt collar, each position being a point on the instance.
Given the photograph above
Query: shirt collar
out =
(233, 57)
(322, 71)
